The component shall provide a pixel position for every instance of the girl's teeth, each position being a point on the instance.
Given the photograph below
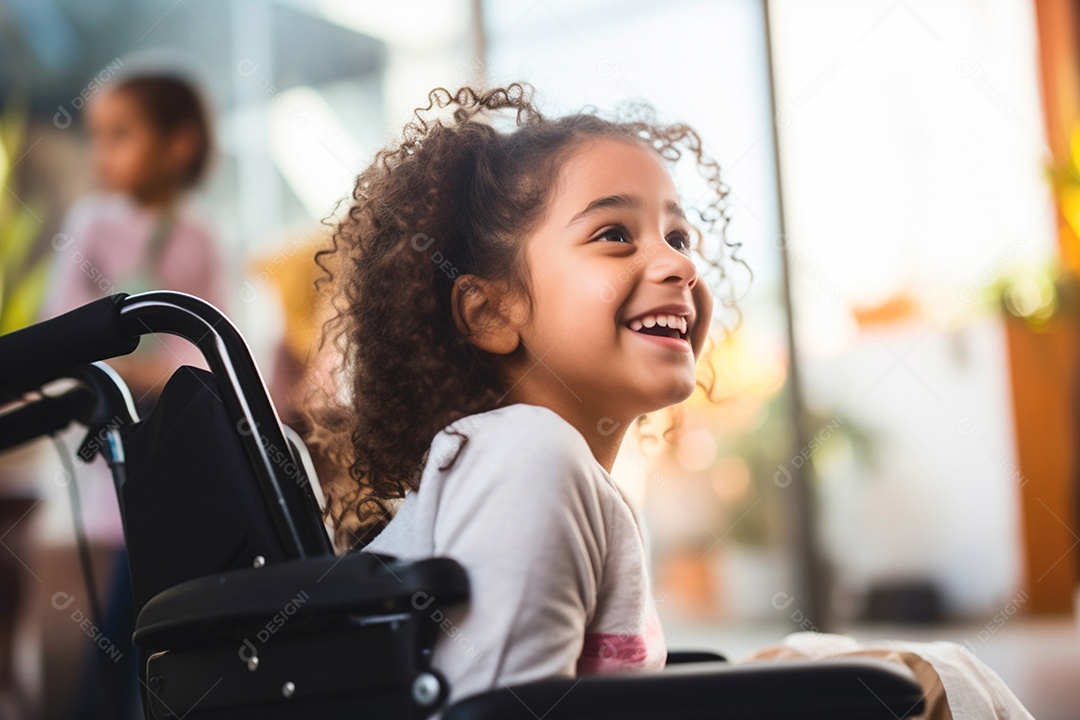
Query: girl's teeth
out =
(668, 321)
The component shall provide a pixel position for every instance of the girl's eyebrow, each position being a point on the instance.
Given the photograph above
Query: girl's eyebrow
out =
(623, 200)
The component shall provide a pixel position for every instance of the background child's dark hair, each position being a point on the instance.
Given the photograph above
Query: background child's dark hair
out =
(170, 103)
(454, 196)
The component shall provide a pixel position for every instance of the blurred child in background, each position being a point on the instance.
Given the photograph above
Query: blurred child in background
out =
(150, 139)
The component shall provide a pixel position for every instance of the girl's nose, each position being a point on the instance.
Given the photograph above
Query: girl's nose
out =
(667, 264)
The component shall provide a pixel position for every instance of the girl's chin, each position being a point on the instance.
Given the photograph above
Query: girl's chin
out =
(671, 394)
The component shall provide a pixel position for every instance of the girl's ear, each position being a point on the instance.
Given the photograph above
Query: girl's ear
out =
(703, 306)
(479, 308)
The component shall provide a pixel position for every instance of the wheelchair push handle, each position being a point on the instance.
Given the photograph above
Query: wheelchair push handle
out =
(113, 326)
(36, 354)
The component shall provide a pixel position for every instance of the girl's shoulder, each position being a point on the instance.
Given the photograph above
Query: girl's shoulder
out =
(521, 436)
(518, 419)
(192, 210)
(520, 472)
(192, 224)
(99, 206)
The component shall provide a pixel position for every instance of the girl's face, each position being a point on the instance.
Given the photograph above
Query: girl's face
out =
(610, 259)
(130, 154)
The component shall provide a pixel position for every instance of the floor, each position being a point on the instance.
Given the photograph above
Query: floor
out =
(1038, 659)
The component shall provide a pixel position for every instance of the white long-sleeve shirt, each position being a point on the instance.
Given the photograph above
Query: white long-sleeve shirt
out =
(554, 551)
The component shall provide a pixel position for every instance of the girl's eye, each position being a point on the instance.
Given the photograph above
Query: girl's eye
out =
(617, 233)
(680, 240)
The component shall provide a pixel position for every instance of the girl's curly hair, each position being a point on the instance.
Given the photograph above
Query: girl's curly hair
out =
(453, 196)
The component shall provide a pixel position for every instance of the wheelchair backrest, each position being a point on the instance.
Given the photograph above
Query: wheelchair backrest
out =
(191, 501)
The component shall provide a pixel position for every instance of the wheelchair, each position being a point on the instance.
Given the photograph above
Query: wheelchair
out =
(243, 608)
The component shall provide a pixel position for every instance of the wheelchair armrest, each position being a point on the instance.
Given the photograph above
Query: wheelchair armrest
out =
(323, 588)
(854, 688)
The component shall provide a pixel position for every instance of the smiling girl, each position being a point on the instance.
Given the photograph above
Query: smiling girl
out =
(509, 305)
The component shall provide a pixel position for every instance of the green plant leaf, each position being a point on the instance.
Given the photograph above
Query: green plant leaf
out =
(24, 302)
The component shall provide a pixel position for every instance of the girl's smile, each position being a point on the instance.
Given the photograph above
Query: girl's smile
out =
(667, 325)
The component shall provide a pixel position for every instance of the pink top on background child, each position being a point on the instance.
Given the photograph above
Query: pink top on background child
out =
(105, 248)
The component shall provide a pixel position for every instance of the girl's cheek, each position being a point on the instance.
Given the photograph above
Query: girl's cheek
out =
(703, 306)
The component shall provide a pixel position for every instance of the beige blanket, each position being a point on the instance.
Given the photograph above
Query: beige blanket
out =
(957, 684)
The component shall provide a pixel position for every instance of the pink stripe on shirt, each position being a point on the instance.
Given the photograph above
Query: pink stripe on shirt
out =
(611, 652)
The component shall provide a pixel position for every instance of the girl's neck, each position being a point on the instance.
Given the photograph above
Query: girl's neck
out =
(604, 434)
(605, 448)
